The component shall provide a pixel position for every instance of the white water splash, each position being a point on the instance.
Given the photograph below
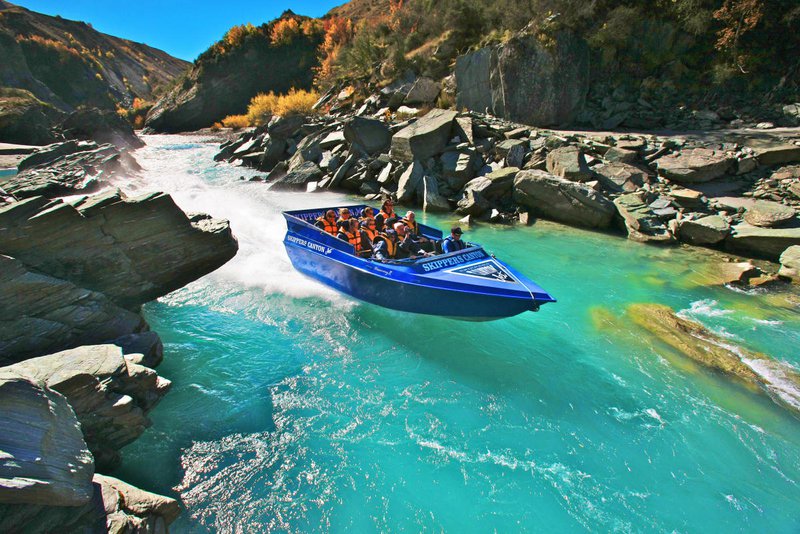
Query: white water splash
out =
(254, 212)
(704, 308)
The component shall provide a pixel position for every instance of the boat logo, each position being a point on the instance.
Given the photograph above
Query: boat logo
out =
(486, 269)
(309, 244)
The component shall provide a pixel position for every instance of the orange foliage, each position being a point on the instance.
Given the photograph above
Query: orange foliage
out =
(139, 103)
(738, 17)
(235, 121)
(233, 38)
(44, 42)
(338, 32)
(284, 31)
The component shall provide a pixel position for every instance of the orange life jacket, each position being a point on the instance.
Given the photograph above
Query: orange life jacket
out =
(353, 239)
(328, 226)
(412, 225)
(371, 234)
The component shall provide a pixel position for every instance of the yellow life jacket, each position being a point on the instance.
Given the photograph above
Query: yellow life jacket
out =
(354, 240)
(328, 226)
(371, 234)
(391, 246)
(412, 225)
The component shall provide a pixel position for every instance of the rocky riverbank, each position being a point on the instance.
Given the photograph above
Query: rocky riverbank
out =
(79, 380)
(737, 191)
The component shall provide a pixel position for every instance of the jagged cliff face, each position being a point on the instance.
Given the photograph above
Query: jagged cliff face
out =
(68, 64)
(234, 70)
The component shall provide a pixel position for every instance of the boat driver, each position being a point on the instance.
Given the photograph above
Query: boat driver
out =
(453, 243)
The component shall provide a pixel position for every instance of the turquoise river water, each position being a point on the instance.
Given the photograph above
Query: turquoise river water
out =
(296, 409)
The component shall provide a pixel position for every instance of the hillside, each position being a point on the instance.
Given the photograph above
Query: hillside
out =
(69, 64)
(248, 60)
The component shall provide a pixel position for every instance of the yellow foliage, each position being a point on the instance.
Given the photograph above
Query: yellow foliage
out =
(339, 31)
(284, 31)
(265, 105)
(236, 122)
(138, 122)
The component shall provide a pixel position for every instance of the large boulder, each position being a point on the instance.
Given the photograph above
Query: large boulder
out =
(494, 186)
(769, 214)
(767, 243)
(369, 136)
(708, 230)
(568, 162)
(458, 167)
(424, 91)
(410, 182)
(45, 460)
(432, 201)
(694, 165)
(790, 263)
(777, 154)
(620, 176)
(131, 249)
(425, 138)
(298, 178)
(562, 200)
(110, 394)
(42, 314)
(525, 80)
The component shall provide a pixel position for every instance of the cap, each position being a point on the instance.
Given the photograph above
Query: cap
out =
(456, 230)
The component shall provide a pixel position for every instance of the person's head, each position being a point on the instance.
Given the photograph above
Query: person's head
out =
(344, 213)
(387, 205)
(456, 232)
(400, 228)
(368, 212)
(369, 224)
(410, 215)
(330, 214)
(353, 225)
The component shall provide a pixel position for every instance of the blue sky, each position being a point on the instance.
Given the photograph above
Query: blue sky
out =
(183, 28)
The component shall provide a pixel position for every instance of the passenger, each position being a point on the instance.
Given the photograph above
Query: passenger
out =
(349, 233)
(408, 246)
(368, 235)
(367, 215)
(410, 220)
(328, 223)
(453, 243)
(385, 246)
(387, 217)
(344, 216)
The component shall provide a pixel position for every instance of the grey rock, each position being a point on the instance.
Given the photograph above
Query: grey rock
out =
(687, 198)
(767, 243)
(432, 200)
(131, 249)
(777, 154)
(410, 182)
(45, 460)
(621, 155)
(620, 176)
(458, 168)
(694, 165)
(425, 138)
(110, 395)
(298, 178)
(790, 263)
(473, 203)
(424, 91)
(642, 223)
(495, 185)
(555, 198)
(769, 214)
(526, 81)
(42, 314)
(285, 127)
(708, 230)
(367, 136)
(569, 162)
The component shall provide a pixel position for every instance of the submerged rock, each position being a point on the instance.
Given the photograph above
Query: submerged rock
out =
(698, 343)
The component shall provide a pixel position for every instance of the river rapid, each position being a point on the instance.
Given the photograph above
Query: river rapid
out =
(297, 409)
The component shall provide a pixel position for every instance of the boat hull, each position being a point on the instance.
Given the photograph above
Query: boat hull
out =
(374, 284)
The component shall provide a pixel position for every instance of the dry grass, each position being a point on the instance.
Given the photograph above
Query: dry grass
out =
(263, 106)
(237, 122)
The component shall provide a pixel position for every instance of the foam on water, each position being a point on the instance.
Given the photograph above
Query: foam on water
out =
(296, 409)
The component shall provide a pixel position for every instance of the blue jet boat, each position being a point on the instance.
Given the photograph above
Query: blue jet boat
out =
(469, 284)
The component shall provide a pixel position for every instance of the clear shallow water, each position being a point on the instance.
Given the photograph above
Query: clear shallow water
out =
(294, 408)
